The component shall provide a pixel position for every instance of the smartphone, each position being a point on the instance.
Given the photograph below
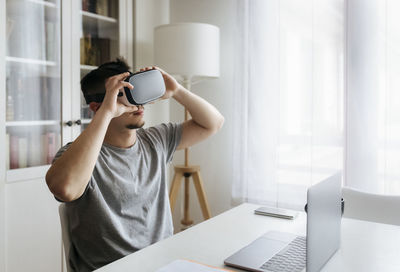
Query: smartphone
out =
(276, 212)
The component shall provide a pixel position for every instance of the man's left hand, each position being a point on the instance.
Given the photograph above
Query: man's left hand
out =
(171, 85)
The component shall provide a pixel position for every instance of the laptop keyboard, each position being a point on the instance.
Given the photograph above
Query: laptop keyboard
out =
(290, 259)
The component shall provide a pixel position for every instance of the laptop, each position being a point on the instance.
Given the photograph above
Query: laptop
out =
(281, 251)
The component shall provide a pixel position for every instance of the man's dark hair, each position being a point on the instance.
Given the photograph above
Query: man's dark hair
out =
(92, 84)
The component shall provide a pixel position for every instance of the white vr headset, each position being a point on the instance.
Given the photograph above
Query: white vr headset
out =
(147, 86)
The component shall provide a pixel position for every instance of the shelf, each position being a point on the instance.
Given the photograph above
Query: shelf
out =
(44, 3)
(33, 123)
(16, 9)
(31, 61)
(99, 26)
(98, 17)
(88, 67)
(29, 173)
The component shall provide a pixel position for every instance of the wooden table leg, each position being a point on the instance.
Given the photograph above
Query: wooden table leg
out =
(176, 182)
(186, 218)
(198, 183)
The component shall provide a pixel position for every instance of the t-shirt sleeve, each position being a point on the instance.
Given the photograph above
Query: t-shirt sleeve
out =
(61, 151)
(166, 137)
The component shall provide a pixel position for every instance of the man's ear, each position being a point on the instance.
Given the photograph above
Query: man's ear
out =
(94, 106)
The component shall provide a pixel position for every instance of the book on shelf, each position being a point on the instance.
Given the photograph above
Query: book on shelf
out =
(9, 108)
(89, 5)
(31, 102)
(51, 98)
(35, 149)
(22, 152)
(88, 53)
(52, 40)
(94, 51)
(14, 152)
(19, 99)
(17, 108)
(49, 142)
(85, 5)
(51, 147)
(18, 151)
(7, 151)
(101, 7)
(33, 98)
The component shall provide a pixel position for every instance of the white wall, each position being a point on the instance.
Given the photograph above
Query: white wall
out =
(213, 155)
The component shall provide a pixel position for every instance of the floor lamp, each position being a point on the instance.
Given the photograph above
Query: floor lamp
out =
(189, 51)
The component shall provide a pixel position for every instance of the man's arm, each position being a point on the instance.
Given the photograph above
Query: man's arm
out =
(206, 119)
(69, 175)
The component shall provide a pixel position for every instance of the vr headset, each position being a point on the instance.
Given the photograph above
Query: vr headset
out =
(148, 86)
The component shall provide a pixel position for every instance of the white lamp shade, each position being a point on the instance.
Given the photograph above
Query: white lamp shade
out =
(187, 49)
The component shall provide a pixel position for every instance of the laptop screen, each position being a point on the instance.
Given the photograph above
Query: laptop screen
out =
(323, 221)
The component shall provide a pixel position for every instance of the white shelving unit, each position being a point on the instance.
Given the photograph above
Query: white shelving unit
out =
(94, 18)
(31, 61)
(44, 3)
(87, 67)
(28, 211)
(32, 123)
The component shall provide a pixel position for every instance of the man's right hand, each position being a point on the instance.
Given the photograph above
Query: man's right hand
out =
(110, 104)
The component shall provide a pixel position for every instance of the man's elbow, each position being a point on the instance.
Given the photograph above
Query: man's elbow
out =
(218, 124)
(59, 188)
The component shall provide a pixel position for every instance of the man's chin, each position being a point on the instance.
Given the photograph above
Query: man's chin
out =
(135, 126)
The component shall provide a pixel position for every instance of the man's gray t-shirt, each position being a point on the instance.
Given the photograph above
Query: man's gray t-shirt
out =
(125, 206)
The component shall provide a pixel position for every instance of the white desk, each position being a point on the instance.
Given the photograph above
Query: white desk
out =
(366, 246)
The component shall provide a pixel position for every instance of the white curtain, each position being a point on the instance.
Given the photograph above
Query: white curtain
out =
(317, 91)
(373, 96)
(289, 98)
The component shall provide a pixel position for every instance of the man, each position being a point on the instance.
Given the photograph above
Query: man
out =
(113, 176)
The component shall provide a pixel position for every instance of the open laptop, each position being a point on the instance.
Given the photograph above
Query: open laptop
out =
(280, 251)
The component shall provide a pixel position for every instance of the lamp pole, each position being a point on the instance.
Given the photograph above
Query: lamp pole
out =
(186, 221)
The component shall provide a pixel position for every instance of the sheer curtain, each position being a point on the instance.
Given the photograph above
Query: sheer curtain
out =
(373, 96)
(289, 98)
(317, 91)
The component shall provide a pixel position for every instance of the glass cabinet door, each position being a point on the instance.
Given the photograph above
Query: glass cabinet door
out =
(33, 82)
(99, 41)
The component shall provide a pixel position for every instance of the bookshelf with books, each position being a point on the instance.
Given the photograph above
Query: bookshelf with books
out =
(33, 82)
(30, 130)
(33, 95)
(31, 148)
(99, 42)
(46, 47)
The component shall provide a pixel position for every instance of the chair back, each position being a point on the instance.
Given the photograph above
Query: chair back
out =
(371, 207)
(65, 235)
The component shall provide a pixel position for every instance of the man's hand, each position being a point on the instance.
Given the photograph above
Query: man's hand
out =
(110, 103)
(171, 85)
